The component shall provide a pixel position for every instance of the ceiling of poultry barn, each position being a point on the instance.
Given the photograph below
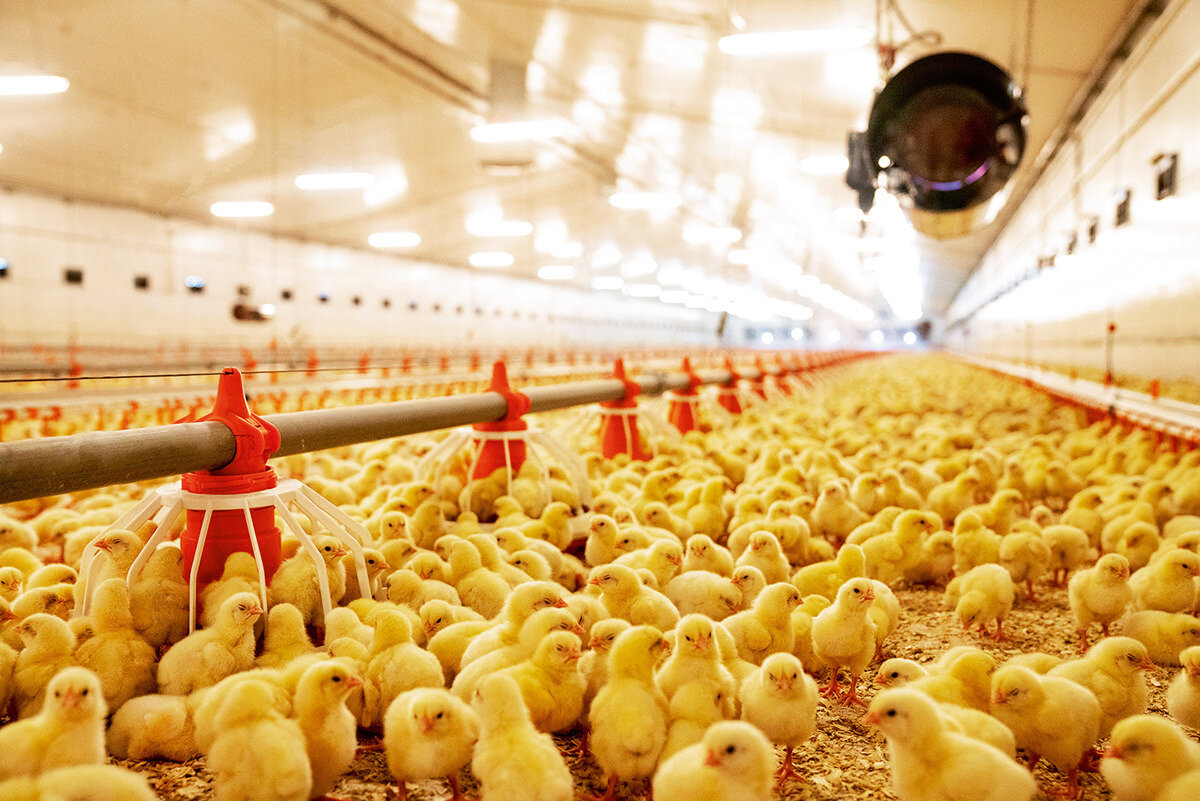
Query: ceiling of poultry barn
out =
(175, 106)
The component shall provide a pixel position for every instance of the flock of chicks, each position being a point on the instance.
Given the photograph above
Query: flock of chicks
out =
(681, 641)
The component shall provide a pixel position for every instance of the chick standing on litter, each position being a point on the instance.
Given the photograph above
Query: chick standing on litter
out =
(329, 728)
(1183, 696)
(1100, 594)
(630, 715)
(844, 637)
(551, 684)
(930, 763)
(428, 733)
(206, 656)
(766, 628)
(981, 595)
(694, 657)
(122, 660)
(69, 729)
(396, 664)
(781, 700)
(512, 759)
(1113, 670)
(258, 754)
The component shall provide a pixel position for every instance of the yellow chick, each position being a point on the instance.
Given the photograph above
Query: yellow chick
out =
(844, 637)
(551, 683)
(158, 598)
(935, 567)
(780, 699)
(733, 762)
(966, 681)
(49, 645)
(708, 516)
(704, 554)
(1167, 584)
(704, 593)
(1026, 557)
(512, 759)
(1070, 550)
(286, 638)
(540, 624)
(1181, 788)
(974, 543)
(1183, 696)
(1100, 594)
(206, 656)
(428, 733)
(69, 729)
(834, 515)
(258, 754)
(478, 588)
(118, 549)
(240, 574)
(749, 580)
(1146, 753)
(1051, 717)
(952, 498)
(1138, 543)
(983, 594)
(523, 602)
(396, 664)
(630, 715)
(890, 556)
(329, 728)
(896, 672)
(377, 568)
(765, 553)
(154, 727)
(52, 574)
(296, 580)
(694, 707)
(695, 657)
(12, 581)
(122, 660)
(1165, 635)
(1112, 670)
(765, 628)
(824, 578)
(929, 762)
(624, 596)
(80, 783)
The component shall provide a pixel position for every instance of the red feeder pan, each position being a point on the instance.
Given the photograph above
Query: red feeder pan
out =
(683, 407)
(619, 421)
(727, 394)
(496, 446)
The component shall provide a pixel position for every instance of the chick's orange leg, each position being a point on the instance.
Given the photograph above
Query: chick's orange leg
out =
(999, 635)
(1072, 788)
(786, 770)
(455, 793)
(611, 793)
(851, 697)
(831, 689)
(1083, 641)
(401, 793)
(1029, 587)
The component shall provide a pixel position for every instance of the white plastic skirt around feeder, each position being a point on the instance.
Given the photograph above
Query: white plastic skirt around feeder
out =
(434, 465)
(286, 494)
(582, 428)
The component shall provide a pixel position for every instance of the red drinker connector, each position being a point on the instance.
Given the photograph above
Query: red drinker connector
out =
(619, 428)
(781, 376)
(681, 410)
(758, 384)
(497, 453)
(727, 393)
(255, 440)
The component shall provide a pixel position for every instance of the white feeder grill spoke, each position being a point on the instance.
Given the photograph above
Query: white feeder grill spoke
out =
(306, 501)
(311, 549)
(258, 560)
(196, 569)
(142, 511)
(342, 519)
(439, 457)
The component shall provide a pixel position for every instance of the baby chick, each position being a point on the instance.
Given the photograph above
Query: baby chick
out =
(285, 638)
(844, 637)
(781, 700)
(69, 729)
(154, 727)
(1026, 557)
(1165, 635)
(551, 683)
(48, 649)
(624, 596)
(80, 783)
(258, 754)
(1183, 696)
(695, 657)
(1051, 717)
(297, 580)
(396, 664)
(206, 656)
(980, 595)
(1100, 594)
(122, 660)
(512, 759)
(766, 628)
(966, 681)
(329, 728)
(1167, 584)
(158, 598)
(931, 763)
(702, 553)
(734, 762)
(704, 593)
(240, 574)
(1145, 753)
(1112, 670)
(630, 715)
(428, 733)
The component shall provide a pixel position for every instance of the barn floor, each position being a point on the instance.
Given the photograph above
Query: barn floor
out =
(844, 760)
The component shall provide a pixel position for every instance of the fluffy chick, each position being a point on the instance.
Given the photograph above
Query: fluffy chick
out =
(1113, 671)
(694, 707)
(206, 656)
(258, 755)
(702, 553)
(396, 664)
(734, 762)
(781, 700)
(80, 783)
(931, 763)
(428, 733)
(48, 649)
(296, 580)
(1165, 635)
(158, 598)
(630, 715)
(844, 637)
(154, 727)
(1183, 696)
(69, 729)
(1100, 594)
(704, 593)
(122, 660)
(551, 683)
(695, 657)
(980, 595)
(240, 574)
(329, 728)
(1146, 753)
(765, 628)
(1167, 584)
(624, 596)
(512, 759)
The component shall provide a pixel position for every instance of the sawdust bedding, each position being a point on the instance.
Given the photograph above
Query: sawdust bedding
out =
(844, 760)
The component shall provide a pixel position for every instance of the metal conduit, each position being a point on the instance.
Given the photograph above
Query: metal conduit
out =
(39, 467)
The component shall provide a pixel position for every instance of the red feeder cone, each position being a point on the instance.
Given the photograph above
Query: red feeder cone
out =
(758, 385)
(682, 409)
(727, 393)
(495, 450)
(248, 472)
(619, 422)
(781, 376)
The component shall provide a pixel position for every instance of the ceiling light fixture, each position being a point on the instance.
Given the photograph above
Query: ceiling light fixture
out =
(607, 282)
(394, 239)
(318, 181)
(645, 201)
(772, 43)
(242, 208)
(698, 234)
(27, 85)
(493, 133)
(567, 250)
(492, 259)
(643, 290)
(556, 272)
(499, 228)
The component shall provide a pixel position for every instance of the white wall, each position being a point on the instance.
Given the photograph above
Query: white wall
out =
(39, 236)
(1143, 276)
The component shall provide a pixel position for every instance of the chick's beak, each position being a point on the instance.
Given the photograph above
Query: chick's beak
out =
(70, 699)
(578, 631)
(997, 698)
(574, 655)
(711, 760)
(104, 545)
(872, 719)
(560, 603)
(594, 582)
(7, 614)
(426, 724)
(354, 681)
(256, 610)
(1146, 664)
(881, 680)
(869, 596)
(1114, 752)
(784, 682)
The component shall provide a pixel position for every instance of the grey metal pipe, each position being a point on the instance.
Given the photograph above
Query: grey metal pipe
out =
(39, 467)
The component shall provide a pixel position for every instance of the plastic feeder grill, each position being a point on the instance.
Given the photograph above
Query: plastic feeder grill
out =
(727, 394)
(507, 444)
(233, 508)
(683, 410)
(619, 431)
